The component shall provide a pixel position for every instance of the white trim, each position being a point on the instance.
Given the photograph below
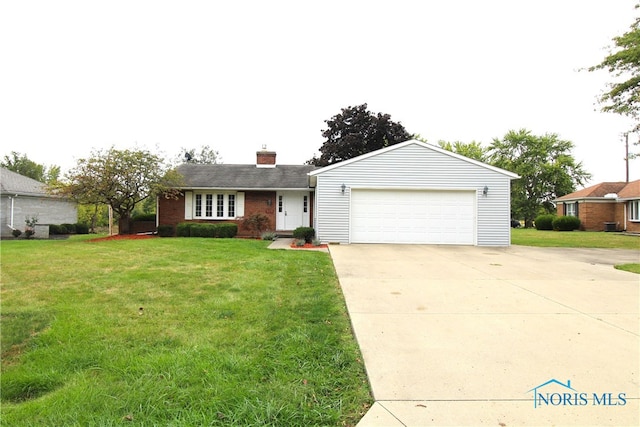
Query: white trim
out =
(421, 144)
(188, 205)
(240, 204)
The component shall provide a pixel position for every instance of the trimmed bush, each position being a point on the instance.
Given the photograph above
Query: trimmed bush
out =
(566, 223)
(544, 222)
(165, 230)
(203, 229)
(71, 228)
(82, 228)
(306, 233)
(184, 229)
(225, 230)
(55, 229)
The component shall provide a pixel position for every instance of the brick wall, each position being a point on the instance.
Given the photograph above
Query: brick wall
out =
(171, 212)
(593, 215)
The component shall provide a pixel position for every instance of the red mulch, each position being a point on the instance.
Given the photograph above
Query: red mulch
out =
(307, 246)
(123, 237)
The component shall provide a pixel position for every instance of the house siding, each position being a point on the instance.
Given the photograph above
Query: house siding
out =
(413, 167)
(49, 210)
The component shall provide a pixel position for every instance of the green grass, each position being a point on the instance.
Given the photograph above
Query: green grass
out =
(175, 331)
(578, 239)
(633, 268)
(573, 239)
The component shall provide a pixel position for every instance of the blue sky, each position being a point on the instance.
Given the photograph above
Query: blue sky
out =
(161, 75)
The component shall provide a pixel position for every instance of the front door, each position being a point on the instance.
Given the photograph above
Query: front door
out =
(292, 210)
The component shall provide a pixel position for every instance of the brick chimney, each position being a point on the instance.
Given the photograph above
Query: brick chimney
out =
(265, 159)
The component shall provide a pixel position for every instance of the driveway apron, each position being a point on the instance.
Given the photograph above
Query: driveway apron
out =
(462, 335)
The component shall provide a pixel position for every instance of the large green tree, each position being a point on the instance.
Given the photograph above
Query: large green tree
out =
(20, 163)
(356, 131)
(546, 167)
(120, 179)
(473, 150)
(623, 62)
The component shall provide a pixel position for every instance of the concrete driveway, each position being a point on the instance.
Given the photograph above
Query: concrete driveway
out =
(461, 335)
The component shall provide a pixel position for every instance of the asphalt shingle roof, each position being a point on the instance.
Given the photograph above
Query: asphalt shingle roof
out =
(245, 176)
(622, 189)
(14, 183)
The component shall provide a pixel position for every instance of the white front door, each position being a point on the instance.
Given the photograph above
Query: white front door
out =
(292, 210)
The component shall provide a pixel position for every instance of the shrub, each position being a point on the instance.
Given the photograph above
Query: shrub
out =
(306, 233)
(82, 228)
(16, 233)
(184, 229)
(268, 235)
(225, 230)
(300, 242)
(566, 223)
(70, 228)
(544, 222)
(55, 229)
(165, 230)
(257, 223)
(202, 230)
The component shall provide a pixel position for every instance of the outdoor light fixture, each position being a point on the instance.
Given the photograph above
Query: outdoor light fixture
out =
(344, 187)
(269, 202)
(485, 191)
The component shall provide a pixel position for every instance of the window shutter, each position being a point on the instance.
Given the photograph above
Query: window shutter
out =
(239, 204)
(188, 205)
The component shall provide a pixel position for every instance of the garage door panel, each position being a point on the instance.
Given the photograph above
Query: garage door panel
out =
(431, 217)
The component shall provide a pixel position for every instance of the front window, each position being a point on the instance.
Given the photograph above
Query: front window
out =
(224, 208)
(634, 210)
(570, 209)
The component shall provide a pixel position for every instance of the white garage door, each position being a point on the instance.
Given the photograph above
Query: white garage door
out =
(413, 216)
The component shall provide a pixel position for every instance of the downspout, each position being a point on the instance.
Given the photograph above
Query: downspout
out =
(625, 215)
(12, 199)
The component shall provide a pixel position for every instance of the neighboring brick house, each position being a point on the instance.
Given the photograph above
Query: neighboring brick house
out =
(230, 193)
(605, 206)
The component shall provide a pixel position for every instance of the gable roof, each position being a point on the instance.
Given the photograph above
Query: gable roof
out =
(437, 149)
(245, 177)
(598, 191)
(630, 191)
(13, 183)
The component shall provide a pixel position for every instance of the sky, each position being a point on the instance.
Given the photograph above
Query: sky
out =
(77, 76)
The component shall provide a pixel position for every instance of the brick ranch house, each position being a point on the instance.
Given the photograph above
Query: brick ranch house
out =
(407, 193)
(616, 204)
(230, 193)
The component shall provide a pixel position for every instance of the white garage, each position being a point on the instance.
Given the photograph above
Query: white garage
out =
(412, 216)
(412, 193)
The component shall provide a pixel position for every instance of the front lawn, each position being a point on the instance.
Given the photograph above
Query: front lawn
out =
(175, 331)
(573, 239)
(578, 239)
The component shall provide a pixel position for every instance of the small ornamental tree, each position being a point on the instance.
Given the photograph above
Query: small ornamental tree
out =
(120, 179)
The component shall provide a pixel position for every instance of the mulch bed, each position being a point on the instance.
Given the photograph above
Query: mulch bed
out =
(123, 237)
